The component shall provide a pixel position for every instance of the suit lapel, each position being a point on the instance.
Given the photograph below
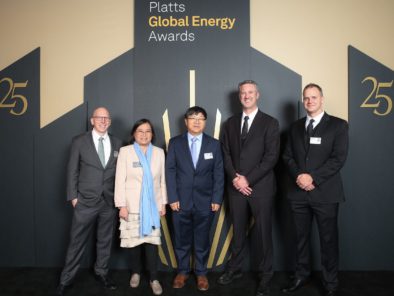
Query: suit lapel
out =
(302, 134)
(111, 153)
(256, 124)
(93, 150)
(186, 148)
(237, 128)
(322, 124)
(204, 145)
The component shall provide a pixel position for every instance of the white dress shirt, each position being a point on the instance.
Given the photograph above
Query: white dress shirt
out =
(106, 143)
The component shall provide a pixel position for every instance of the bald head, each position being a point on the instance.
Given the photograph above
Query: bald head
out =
(101, 120)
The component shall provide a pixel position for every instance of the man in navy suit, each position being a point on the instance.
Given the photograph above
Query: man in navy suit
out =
(315, 153)
(90, 189)
(195, 180)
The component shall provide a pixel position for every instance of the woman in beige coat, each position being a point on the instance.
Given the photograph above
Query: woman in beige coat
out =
(141, 196)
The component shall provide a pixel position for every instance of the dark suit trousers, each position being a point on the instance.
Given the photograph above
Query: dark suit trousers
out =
(151, 257)
(326, 218)
(241, 209)
(83, 222)
(191, 229)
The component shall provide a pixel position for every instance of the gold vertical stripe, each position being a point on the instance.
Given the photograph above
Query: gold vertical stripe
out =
(163, 258)
(219, 224)
(166, 125)
(226, 246)
(192, 91)
(167, 238)
(217, 124)
(216, 237)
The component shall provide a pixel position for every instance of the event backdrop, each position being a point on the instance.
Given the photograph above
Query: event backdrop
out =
(187, 53)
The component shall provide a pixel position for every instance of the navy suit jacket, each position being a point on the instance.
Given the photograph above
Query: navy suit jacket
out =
(322, 161)
(194, 187)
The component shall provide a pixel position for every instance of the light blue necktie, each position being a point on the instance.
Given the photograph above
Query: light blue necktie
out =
(193, 150)
(100, 151)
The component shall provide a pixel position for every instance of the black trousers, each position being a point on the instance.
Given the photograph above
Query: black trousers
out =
(151, 257)
(241, 210)
(327, 224)
(84, 219)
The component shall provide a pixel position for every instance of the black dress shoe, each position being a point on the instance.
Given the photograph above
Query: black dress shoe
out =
(60, 290)
(228, 277)
(331, 293)
(263, 289)
(295, 285)
(106, 281)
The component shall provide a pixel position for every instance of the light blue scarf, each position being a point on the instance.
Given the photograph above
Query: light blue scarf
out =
(149, 215)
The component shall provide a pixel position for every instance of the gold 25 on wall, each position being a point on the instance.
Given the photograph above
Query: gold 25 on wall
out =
(11, 98)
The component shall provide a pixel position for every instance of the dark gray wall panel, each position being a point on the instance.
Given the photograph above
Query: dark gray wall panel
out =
(17, 216)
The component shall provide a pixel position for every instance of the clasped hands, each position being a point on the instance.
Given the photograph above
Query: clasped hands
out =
(305, 182)
(242, 185)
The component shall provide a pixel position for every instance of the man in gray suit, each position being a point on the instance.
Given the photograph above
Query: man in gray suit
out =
(90, 188)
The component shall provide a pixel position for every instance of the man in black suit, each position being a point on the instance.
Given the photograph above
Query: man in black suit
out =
(90, 188)
(250, 142)
(315, 153)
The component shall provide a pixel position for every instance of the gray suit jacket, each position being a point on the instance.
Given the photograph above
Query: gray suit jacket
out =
(87, 179)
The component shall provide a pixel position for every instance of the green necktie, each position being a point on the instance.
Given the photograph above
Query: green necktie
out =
(101, 151)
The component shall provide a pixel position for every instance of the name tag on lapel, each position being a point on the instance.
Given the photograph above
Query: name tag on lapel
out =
(315, 141)
(136, 164)
(208, 155)
(116, 154)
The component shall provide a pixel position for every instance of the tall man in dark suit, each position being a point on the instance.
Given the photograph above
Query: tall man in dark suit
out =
(250, 143)
(315, 152)
(195, 181)
(90, 188)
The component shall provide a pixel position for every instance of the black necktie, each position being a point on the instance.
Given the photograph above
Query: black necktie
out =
(309, 128)
(245, 128)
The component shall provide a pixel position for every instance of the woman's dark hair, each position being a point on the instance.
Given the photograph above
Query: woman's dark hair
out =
(137, 124)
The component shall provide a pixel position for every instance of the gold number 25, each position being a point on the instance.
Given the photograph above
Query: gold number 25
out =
(12, 97)
(378, 96)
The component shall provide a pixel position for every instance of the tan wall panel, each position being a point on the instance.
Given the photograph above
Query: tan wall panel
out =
(76, 37)
(311, 38)
(308, 36)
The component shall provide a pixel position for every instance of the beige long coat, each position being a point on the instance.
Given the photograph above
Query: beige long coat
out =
(128, 179)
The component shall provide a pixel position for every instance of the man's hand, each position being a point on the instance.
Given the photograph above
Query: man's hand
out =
(123, 213)
(175, 206)
(74, 202)
(305, 182)
(242, 185)
(215, 207)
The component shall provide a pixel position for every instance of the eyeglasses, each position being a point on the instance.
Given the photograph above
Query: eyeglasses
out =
(102, 118)
(197, 119)
(143, 132)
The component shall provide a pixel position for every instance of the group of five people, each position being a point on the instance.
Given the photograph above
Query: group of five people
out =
(137, 182)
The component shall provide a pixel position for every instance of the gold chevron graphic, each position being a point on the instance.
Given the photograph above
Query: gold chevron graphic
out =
(219, 225)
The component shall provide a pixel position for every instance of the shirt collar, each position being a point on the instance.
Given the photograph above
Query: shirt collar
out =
(251, 115)
(190, 136)
(316, 119)
(96, 136)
